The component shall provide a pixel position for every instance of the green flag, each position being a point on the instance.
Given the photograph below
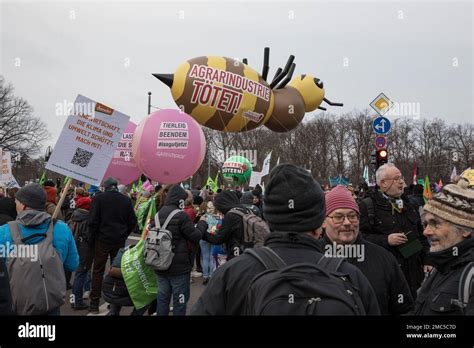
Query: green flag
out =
(140, 184)
(42, 179)
(212, 184)
(66, 180)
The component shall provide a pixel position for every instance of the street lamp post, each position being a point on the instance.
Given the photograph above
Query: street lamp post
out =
(149, 103)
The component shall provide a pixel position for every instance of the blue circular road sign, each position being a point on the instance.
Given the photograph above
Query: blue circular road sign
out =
(381, 125)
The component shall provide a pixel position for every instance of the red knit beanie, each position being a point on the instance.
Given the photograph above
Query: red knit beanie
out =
(340, 198)
(83, 202)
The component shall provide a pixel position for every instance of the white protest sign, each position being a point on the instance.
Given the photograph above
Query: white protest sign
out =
(255, 179)
(87, 143)
(266, 164)
(6, 167)
(12, 183)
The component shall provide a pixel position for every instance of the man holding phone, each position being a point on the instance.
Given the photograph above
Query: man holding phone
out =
(387, 218)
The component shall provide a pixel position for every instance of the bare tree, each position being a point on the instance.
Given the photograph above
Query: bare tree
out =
(20, 131)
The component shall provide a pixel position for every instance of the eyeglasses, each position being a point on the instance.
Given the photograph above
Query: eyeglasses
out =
(339, 218)
(432, 223)
(397, 178)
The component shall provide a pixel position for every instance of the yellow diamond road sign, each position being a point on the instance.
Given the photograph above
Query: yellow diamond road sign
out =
(381, 104)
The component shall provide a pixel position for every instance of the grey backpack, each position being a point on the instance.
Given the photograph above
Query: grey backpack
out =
(255, 228)
(37, 281)
(158, 252)
(465, 287)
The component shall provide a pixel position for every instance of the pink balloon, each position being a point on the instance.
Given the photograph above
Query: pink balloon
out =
(169, 146)
(123, 167)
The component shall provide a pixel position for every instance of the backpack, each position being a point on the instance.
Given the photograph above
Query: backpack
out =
(301, 288)
(37, 286)
(114, 288)
(370, 210)
(255, 228)
(466, 286)
(158, 252)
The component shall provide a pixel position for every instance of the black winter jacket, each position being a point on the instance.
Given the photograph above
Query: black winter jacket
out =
(112, 217)
(226, 292)
(7, 210)
(5, 294)
(78, 223)
(182, 229)
(231, 232)
(383, 273)
(387, 221)
(438, 291)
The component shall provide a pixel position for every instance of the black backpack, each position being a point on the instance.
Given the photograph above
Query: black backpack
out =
(301, 288)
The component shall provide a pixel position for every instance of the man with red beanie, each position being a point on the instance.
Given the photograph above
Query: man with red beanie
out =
(80, 230)
(51, 198)
(342, 239)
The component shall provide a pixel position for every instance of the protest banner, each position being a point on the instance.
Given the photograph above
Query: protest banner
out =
(87, 143)
(5, 167)
(255, 179)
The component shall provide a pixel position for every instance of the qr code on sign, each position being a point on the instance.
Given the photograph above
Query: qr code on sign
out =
(82, 157)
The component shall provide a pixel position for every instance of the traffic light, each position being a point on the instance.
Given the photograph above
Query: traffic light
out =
(381, 157)
(373, 159)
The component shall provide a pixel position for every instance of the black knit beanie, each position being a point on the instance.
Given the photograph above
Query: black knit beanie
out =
(33, 196)
(293, 200)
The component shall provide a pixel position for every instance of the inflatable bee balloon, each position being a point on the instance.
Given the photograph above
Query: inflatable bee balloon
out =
(227, 95)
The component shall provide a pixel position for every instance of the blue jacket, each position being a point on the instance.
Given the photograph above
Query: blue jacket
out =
(63, 240)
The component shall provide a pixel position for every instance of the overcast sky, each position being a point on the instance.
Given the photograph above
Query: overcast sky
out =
(414, 52)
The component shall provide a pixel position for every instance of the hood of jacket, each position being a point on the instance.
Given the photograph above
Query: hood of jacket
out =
(226, 200)
(79, 215)
(32, 217)
(176, 196)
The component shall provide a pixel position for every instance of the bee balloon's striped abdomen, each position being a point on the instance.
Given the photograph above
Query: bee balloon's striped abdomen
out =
(222, 93)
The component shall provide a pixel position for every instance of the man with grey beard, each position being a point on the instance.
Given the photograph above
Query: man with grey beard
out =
(448, 219)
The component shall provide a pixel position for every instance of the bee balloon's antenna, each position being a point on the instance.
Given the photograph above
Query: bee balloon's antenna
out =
(245, 61)
(284, 72)
(331, 103)
(167, 79)
(266, 61)
(288, 77)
